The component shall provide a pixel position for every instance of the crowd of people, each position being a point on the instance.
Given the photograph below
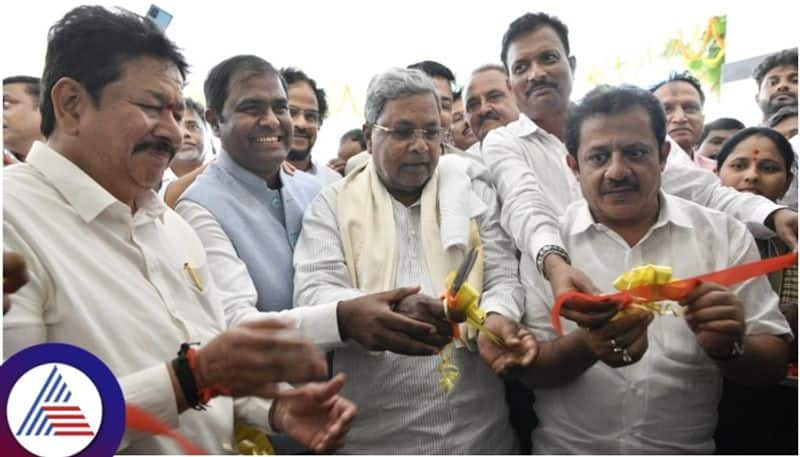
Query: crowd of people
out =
(127, 233)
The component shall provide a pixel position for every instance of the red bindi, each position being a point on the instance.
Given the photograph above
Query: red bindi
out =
(755, 153)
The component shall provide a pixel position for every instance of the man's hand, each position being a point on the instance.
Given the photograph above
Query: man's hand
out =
(314, 415)
(520, 349)
(715, 316)
(15, 275)
(251, 358)
(431, 310)
(625, 335)
(784, 223)
(337, 165)
(288, 168)
(371, 322)
(564, 278)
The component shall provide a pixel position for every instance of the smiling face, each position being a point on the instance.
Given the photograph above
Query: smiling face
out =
(127, 140)
(540, 73)
(405, 166)
(619, 167)
(489, 102)
(304, 110)
(463, 137)
(778, 88)
(756, 165)
(684, 110)
(255, 127)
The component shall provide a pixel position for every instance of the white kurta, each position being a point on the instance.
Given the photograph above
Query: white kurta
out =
(402, 410)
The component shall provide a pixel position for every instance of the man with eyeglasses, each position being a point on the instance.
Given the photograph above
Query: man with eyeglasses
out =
(308, 108)
(406, 218)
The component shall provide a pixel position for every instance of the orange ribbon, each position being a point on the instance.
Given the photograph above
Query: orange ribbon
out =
(141, 421)
(676, 290)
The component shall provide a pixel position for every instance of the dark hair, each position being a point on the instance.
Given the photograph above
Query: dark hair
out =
(90, 44)
(610, 100)
(779, 116)
(216, 85)
(434, 69)
(196, 107)
(531, 22)
(32, 84)
(354, 135)
(783, 145)
(723, 123)
(293, 75)
(785, 57)
(684, 76)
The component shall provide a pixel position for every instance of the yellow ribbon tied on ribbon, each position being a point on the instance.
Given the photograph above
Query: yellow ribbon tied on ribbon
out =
(466, 301)
(645, 275)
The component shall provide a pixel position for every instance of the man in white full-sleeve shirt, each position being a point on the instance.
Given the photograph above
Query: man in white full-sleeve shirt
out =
(114, 271)
(406, 218)
(527, 158)
(642, 383)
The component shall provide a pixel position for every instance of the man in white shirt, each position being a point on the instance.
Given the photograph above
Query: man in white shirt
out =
(114, 271)
(528, 166)
(385, 225)
(308, 107)
(642, 383)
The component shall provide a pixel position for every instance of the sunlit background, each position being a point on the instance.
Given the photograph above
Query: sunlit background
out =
(342, 44)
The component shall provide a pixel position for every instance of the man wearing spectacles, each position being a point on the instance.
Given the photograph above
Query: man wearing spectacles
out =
(308, 107)
(406, 218)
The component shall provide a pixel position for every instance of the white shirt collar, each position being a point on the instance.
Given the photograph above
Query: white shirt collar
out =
(666, 214)
(79, 189)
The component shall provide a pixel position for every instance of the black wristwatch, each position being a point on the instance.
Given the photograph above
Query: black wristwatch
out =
(736, 351)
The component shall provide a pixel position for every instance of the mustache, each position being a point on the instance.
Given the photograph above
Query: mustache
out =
(788, 94)
(490, 115)
(158, 145)
(537, 84)
(617, 186)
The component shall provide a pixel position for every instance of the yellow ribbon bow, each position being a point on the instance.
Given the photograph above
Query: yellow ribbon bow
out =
(643, 276)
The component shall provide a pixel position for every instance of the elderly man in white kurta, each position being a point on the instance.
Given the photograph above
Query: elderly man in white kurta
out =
(407, 218)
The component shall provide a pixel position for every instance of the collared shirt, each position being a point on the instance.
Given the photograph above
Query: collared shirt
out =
(667, 401)
(324, 173)
(535, 185)
(402, 409)
(114, 283)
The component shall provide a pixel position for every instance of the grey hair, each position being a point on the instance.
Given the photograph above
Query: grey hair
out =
(396, 83)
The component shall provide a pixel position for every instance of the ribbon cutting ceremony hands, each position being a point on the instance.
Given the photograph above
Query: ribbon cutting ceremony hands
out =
(621, 341)
(520, 347)
(314, 415)
(715, 315)
(379, 322)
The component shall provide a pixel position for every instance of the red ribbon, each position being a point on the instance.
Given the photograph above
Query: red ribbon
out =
(141, 421)
(676, 290)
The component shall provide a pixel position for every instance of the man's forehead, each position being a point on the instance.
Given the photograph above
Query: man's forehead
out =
(782, 69)
(410, 108)
(675, 89)
(536, 41)
(249, 81)
(631, 125)
(486, 80)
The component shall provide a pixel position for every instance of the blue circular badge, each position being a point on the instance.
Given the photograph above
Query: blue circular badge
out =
(59, 400)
